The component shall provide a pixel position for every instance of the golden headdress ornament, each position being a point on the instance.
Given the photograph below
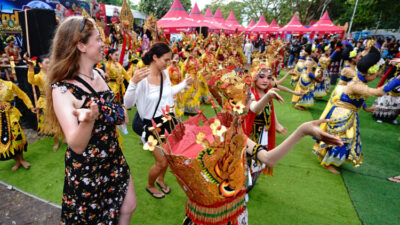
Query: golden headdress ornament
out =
(126, 16)
(150, 23)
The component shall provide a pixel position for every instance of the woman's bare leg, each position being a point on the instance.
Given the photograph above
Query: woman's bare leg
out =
(157, 171)
(128, 206)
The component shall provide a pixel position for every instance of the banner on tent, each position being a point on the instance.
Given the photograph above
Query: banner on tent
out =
(63, 8)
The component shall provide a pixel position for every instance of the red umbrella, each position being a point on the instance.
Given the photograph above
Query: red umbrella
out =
(232, 23)
(294, 27)
(176, 20)
(273, 28)
(261, 27)
(325, 25)
(200, 20)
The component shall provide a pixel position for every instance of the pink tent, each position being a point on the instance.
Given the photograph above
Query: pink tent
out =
(208, 13)
(219, 19)
(273, 28)
(325, 25)
(200, 20)
(176, 20)
(232, 23)
(312, 22)
(261, 26)
(251, 24)
(294, 27)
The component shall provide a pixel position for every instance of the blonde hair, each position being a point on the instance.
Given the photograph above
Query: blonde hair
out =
(64, 59)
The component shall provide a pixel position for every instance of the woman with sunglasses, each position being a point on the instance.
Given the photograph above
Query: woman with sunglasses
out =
(98, 187)
(151, 91)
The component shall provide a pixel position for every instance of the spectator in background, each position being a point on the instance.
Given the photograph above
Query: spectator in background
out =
(248, 50)
(359, 46)
(262, 46)
(294, 53)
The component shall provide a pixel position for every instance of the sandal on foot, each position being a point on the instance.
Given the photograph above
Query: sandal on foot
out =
(155, 194)
(164, 189)
(395, 179)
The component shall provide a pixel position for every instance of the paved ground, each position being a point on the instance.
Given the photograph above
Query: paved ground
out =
(17, 208)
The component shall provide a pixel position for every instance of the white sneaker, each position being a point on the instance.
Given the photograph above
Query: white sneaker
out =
(395, 122)
(379, 121)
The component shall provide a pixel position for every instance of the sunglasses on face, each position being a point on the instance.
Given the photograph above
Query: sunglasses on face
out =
(82, 24)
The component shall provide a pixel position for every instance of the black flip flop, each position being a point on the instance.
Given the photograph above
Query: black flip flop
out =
(153, 194)
(162, 188)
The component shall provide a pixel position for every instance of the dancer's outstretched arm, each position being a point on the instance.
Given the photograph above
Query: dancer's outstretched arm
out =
(270, 158)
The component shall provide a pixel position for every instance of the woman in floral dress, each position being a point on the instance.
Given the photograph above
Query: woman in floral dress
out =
(98, 188)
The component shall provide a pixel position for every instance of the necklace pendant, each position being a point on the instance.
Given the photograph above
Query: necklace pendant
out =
(92, 77)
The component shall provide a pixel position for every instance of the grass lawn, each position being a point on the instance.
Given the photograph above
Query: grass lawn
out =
(300, 192)
(372, 195)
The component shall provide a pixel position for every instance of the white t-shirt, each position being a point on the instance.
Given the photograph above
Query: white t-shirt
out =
(145, 96)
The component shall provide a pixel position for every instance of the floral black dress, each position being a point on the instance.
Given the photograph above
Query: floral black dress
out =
(96, 181)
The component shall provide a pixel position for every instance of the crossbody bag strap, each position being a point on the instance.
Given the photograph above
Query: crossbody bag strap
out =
(159, 99)
(80, 80)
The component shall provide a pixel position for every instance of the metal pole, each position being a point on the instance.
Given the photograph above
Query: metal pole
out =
(352, 18)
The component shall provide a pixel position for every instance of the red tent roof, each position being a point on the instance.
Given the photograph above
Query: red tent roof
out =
(176, 19)
(219, 20)
(273, 27)
(200, 20)
(208, 13)
(261, 26)
(294, 26)
(252, 23)
(232, 23)
(325, 25)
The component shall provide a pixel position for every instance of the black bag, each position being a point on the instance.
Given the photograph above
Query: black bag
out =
(138, 125)
(113, 113)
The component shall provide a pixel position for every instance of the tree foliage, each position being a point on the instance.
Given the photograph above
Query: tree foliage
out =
(370, 14)
(160, 7)
(238, 8)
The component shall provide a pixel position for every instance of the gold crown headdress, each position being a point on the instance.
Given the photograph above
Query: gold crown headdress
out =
(126, 16)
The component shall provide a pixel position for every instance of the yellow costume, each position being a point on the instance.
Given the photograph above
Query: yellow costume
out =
(39, 80)
(175, 76)
(117, 74)
(306, 84)
(344, 118)
(346, 75)
(192, 96)
(322, 89)
(298, 69)
(13, 141)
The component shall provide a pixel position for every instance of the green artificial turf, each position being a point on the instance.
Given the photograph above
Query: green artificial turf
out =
(300, 192)
(375, 198)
